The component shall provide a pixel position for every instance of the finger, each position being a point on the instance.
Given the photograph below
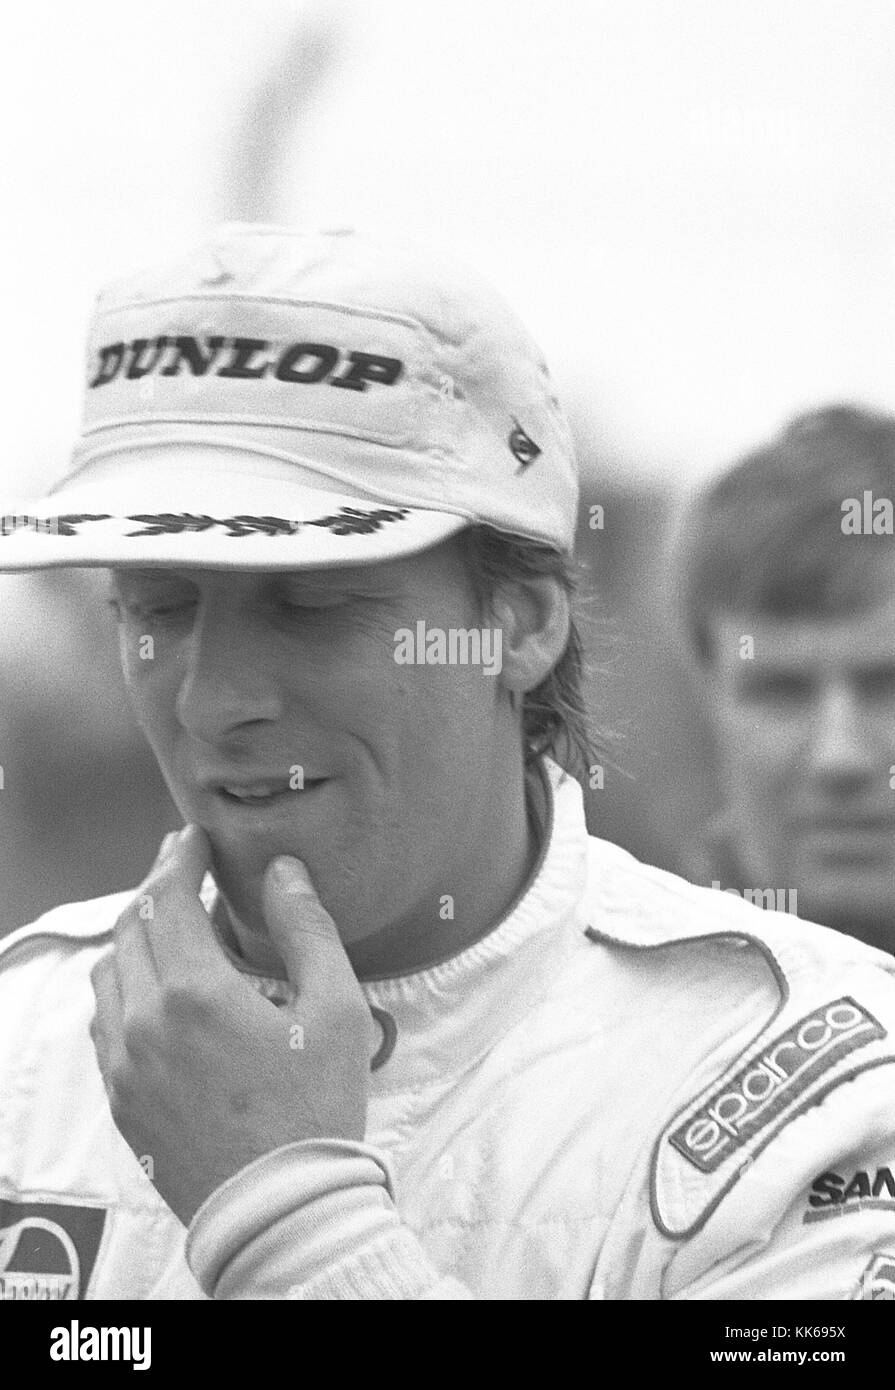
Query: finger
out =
(179, 933)
(167, 845)
(304, 933)
(133, 959)
(183, 860)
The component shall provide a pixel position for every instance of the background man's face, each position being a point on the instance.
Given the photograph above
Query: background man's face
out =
(253, 675)
(806, 734)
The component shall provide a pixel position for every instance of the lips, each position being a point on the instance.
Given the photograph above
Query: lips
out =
(258, 791)
(260, 794)
(251, 798)
(263, 791)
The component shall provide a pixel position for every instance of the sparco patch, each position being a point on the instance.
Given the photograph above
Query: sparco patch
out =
(47, 1249)
(746, 1103)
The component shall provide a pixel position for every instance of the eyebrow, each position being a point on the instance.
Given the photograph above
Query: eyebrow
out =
(312, 579)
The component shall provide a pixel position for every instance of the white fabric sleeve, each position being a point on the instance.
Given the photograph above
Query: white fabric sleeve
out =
(312, 1220)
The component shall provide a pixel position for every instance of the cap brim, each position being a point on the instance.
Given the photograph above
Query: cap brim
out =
(215, 518)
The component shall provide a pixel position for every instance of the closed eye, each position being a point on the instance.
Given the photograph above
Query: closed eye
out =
(146, 611)
(312, 606)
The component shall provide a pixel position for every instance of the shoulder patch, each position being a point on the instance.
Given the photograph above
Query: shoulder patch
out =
(744, 1104)
(706, 1148)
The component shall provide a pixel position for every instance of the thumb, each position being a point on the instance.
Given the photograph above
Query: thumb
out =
(303, 932)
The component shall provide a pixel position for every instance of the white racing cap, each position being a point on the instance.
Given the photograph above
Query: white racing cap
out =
(280, 399)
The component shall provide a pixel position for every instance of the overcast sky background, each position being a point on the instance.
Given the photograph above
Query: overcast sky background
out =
(690, 202)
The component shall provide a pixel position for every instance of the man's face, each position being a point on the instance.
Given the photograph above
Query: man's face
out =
(266, 678)
(806, 733)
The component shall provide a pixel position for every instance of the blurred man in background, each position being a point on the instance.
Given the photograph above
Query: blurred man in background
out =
(787, 586)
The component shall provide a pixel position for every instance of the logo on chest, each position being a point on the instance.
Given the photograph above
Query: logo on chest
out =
(834, 1195)
(47, 1249)
(737, 1110)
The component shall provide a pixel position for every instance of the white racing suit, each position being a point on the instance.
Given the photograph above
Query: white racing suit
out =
(630, 1088)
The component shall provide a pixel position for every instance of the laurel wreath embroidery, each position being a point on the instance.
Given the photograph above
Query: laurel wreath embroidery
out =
(173, 523)
(347, 521)
(49, 525)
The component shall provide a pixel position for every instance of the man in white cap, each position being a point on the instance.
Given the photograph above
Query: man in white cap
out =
(383, 1021)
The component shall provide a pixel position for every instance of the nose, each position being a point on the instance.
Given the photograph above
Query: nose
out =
(841, 748)
(227, 681)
